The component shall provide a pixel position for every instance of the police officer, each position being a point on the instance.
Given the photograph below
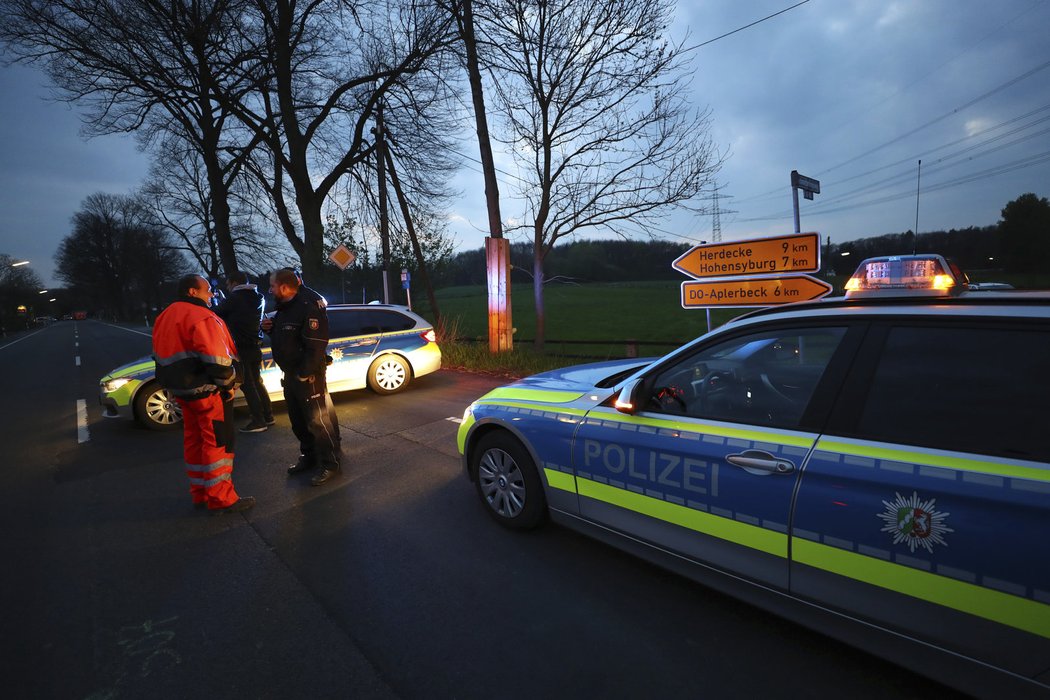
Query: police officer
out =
(299, 337)
(243, 311)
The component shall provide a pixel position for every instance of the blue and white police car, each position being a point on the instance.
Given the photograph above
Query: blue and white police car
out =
(381, 346)
(875, 466)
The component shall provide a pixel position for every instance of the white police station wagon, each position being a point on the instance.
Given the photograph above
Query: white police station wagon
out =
(381, 346)
(876, 467)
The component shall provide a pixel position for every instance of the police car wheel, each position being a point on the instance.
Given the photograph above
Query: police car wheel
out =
(156, 409)
(507, 482)
(389, 374)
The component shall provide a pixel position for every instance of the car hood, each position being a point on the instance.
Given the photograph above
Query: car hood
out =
(582, 377)
(137, 369)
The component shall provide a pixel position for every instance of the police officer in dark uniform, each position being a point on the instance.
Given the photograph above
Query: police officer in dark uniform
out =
(299, 338)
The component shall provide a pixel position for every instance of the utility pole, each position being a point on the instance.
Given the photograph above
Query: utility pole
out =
(497, 248)
(918, 181)
(384, 224)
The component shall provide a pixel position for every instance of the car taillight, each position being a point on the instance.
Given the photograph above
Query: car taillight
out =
(429, 336)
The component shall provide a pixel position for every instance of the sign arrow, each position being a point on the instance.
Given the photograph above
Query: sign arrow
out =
(758, 291)
(799, 252)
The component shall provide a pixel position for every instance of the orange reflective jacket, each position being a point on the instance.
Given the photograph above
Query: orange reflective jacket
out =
(194, 352)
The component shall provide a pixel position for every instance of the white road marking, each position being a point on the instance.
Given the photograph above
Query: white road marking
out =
(78, 360)
(454, 419)
(21, 339)
(129, 330)
(82, 423)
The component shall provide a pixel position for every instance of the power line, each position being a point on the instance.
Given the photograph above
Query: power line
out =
(746, 26)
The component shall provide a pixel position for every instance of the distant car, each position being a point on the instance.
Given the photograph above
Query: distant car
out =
(872, 466)
(989, 286)
(382, 347)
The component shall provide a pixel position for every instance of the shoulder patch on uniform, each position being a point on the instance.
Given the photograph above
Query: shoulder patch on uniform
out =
(313, 324)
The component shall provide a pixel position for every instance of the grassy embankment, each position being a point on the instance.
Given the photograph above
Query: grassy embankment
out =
(629, 311)
(640, 311)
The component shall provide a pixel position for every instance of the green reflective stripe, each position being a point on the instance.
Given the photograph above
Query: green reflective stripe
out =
(560, 480)
(935, 460)
(464, 428)
(535, 407)
(540, 395)
(707, 429)
(1022, 613)
(752, 536)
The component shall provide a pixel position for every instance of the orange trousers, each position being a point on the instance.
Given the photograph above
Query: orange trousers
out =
(207, 447)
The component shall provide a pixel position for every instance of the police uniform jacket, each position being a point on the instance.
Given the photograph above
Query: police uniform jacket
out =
(242, 311)
(299, 336)
(193, 350)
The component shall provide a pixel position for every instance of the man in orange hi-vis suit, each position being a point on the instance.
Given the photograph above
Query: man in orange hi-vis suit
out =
(197, 362)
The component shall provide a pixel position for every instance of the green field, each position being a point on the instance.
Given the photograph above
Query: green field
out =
(609, 315)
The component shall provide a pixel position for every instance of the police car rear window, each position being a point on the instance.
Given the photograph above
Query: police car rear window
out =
(977, 390)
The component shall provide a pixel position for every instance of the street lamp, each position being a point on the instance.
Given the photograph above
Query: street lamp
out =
(844, 254)
(20, 263)
(42, 291)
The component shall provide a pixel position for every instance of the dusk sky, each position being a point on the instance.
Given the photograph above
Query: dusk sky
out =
(852, 93)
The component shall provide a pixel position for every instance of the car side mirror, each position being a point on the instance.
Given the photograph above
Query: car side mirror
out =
(627, 399)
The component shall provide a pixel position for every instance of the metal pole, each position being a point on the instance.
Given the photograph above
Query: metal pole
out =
(794, 192)
(918, 180)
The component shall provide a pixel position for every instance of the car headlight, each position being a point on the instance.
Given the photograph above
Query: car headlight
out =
(112, 385)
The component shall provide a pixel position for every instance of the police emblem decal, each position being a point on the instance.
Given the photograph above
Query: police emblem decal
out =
(313, 324)
(915, 522)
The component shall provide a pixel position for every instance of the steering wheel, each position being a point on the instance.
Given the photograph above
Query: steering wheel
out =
(707, 388)
(670, 397)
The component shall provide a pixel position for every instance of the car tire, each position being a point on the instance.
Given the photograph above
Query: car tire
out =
(389, 374)
(155, 408)
(507, 482)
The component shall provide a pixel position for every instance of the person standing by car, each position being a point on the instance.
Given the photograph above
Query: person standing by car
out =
(299, 338)
(243, 311)
(196, 361)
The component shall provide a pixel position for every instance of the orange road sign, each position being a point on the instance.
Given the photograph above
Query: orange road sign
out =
(759, 291)
(799, 252)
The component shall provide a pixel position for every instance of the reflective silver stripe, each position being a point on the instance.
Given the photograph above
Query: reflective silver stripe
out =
(191, 355)
(210, 482)
(209, 467)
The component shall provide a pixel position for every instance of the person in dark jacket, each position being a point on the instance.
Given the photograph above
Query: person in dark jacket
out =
(243, 312)
(299, 338)
(196, 361)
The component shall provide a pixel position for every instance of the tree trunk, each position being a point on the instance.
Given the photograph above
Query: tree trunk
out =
(537, 294)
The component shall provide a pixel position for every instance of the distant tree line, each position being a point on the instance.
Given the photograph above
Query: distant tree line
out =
(1019, 242)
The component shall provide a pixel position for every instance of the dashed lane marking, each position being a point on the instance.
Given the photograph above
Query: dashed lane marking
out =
(82, 422)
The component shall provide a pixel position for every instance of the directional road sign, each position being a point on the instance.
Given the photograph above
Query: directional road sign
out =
(759, 291)
(798, 252)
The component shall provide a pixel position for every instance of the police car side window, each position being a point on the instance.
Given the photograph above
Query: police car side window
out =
(392, 321)
(343, 323)
(762, 379)
(981, 390)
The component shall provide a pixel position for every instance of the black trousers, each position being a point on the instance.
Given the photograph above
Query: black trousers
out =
(255, 392)
(313, 418)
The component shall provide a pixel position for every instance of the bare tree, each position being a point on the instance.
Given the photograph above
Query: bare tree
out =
(591, 96)
(117, 258)
(146, 66)
(19, 287)
(327, 65)
(177, 192)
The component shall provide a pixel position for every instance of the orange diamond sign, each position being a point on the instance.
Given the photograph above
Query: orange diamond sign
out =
(342, 256)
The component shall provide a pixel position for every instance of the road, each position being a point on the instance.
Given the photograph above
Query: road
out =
(390, 582)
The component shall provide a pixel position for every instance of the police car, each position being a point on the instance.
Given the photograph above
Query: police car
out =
(381, 346)
(875, 466)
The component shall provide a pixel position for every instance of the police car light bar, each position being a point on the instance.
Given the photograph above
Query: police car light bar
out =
(905, 275)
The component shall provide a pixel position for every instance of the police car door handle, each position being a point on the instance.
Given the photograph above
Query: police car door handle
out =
(760, 463)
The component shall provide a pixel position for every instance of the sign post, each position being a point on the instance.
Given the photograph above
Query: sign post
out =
(342, 257)
(809, 187)
(406, 282)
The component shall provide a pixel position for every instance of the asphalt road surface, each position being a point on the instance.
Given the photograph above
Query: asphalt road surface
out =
(389, 582)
